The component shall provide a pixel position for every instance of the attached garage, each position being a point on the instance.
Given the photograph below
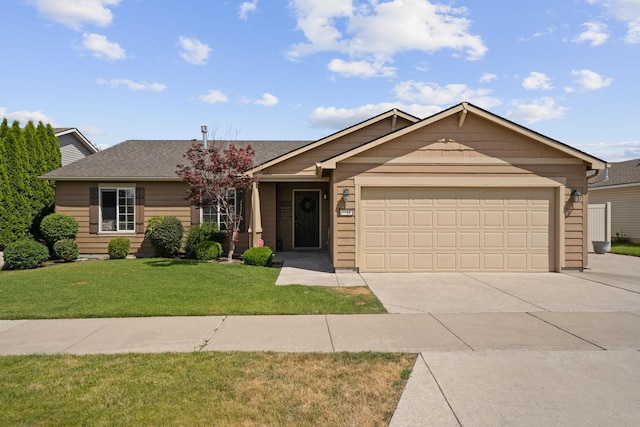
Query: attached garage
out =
(457, 229)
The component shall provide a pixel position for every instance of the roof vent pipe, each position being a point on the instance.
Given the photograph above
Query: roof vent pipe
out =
(606, 173)
(203, 129)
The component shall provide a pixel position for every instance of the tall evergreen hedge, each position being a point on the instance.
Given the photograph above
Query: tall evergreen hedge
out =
(25, 154)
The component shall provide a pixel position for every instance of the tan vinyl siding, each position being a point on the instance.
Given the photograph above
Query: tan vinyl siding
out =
(625, 208)
(305, 162)
(161, 198)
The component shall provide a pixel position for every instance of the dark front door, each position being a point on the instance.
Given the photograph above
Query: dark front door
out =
(307, 219)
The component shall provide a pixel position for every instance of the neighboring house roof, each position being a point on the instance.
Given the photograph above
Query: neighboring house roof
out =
(153, 160)
(78, 135)
(462, 110)
(619, 173)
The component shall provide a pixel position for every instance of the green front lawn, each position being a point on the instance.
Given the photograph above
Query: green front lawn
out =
(165, 287)
(202, 389)
(625, 249)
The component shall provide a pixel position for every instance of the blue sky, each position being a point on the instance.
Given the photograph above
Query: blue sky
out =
(302, 69)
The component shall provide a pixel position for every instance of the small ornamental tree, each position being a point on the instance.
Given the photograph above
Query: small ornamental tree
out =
(211, 172)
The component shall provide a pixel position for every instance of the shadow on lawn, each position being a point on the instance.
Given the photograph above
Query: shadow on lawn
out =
(168, 262)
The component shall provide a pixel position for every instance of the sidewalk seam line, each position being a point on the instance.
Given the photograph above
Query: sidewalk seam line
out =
(326, 322)
(601, 283)
(451, 332)
(568, 332)
(505, 292)
(91, 334)
(441, 391)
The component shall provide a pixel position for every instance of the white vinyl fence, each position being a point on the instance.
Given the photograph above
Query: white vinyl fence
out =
(599, 223)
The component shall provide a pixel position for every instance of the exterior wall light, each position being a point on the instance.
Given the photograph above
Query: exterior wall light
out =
(576, 196)
(345, 194)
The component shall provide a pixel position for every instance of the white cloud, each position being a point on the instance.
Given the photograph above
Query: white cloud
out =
(131, 85)
(213, 97)
(102, 48)
(595, 33)
(360, 69)
(76, 13)
(590, 80)
(613, 151)
(340, 118)
(626, 11)
(24, 116)
(194, 51)
(267, 100)
(540, 109)
(537, 81)
(432, 93)
(376, 32)
(488, 77)
(246, 8)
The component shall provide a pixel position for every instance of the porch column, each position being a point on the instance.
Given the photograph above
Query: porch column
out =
(256, 220)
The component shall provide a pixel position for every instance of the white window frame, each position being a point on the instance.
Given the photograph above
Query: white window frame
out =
(118, 226)
(214, 211)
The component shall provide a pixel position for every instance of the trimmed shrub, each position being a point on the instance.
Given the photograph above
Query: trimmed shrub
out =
(66, 250)
(202, 233)
(259, 255)
(25, 254)
(118, 248)
(56, 227)
(208, 250)
(165, 234)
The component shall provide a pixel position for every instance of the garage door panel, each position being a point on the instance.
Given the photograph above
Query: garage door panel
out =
(373, 218)
(398, 218)
(459, 229)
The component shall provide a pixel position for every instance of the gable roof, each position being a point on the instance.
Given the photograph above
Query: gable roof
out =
(383, 116)
(58, 132)
(619, 173)
(463, 109)
(154, 160)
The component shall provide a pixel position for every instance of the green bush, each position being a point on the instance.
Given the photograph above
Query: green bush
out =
(208, 250)
(202, 233)
(66, 250)
(118, 248)
(165, 234)
(25, 254)
(56, 227)
(260, 255)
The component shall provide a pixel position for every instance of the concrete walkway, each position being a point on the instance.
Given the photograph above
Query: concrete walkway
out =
(506, 349)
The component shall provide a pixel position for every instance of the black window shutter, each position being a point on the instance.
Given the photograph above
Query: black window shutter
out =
(93, 210)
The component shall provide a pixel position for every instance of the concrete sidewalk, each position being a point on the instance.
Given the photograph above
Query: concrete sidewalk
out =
(418, 332)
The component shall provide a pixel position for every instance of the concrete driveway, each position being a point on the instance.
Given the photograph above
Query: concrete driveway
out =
(611, 284)
(547, 349)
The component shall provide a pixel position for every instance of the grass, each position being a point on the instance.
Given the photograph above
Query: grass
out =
(625, 249)
(202, 389)
(164, 287)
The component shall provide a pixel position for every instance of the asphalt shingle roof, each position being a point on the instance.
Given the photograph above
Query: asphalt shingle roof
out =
(150, 159)
(627, 172)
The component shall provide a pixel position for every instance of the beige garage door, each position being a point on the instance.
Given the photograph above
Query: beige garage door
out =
(456, 229)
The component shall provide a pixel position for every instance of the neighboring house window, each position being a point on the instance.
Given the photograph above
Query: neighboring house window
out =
(213, 214)
(117, 209)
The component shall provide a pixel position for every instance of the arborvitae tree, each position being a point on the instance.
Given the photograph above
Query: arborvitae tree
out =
(6, 235)
(18, 171)
(50, 145)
